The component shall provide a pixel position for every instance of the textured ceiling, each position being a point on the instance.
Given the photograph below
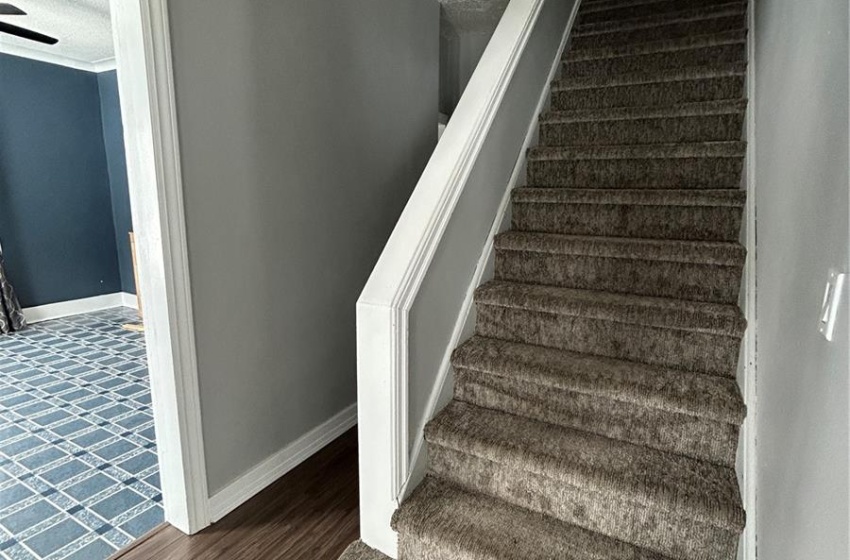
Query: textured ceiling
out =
(475, 15)
(82, 27)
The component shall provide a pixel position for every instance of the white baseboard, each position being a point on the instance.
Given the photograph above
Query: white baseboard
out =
(77, 306)
(129, 300)
(255, 480)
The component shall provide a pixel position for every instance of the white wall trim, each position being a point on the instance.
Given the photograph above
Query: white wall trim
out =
(129, 300)
(73, 307)
(104, 65)
(57, 58)
(259, 477)
(148, 110)
(750, 347)
(484, 261)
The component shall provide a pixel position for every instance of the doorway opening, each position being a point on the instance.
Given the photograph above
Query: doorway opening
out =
(100, 436)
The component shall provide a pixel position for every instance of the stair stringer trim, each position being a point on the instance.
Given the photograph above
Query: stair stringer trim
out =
(748, 364)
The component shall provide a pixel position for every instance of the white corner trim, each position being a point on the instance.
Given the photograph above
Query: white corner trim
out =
(259, 477)
(148, 110)
(749, 434)
(57, 58)
(486, 257)
(73, 307)
(129, 300)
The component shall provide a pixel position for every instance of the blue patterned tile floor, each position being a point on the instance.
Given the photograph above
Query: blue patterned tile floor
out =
(78, 466)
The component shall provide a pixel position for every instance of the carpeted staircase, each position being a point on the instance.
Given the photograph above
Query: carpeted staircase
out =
(596, 413)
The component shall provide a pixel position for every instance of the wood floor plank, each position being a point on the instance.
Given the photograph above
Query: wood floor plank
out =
(311, 513)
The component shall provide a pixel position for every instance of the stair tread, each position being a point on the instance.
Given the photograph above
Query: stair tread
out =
(485, 527)
(667, 313)
(735, 7)
(703, 108)
(668, 53)
(657, 46)
(640, 151)
(700, 252)
(641, 197)
(692, 73)
(595, 6)
(699, 490)
(703, 396)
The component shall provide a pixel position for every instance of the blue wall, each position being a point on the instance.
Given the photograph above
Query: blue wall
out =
(116, 162)
(56, 205)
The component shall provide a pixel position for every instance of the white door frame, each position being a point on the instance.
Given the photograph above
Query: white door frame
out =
(146, 87)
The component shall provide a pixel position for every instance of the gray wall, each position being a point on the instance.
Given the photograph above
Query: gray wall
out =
(460, 51)
(304, 127)
(801, 109)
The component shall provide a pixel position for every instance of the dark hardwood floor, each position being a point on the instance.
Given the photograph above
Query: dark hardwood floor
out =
(311, 513)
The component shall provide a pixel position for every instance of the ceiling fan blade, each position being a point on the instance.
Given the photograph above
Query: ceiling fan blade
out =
(26, 34)
(10, 10)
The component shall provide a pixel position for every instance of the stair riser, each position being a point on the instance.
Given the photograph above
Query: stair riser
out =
(673, 30)
(706, 128)
(657, 94)
(636, 49)
(707, 223)
(591, 14)
(650, 173)
(688, 350)
(673, 60)
(606, 513)
(690, 281)
(662, 430)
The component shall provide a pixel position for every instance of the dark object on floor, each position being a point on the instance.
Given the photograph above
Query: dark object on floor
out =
(11, 316)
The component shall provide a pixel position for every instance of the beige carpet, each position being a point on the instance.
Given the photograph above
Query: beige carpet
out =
(596, 413)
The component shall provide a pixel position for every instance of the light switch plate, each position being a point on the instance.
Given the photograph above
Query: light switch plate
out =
(831, 303)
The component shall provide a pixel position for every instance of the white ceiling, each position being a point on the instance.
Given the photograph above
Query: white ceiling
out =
(83, 28)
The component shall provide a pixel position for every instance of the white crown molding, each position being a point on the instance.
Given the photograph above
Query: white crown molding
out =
(57, 58)
(104, 65)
